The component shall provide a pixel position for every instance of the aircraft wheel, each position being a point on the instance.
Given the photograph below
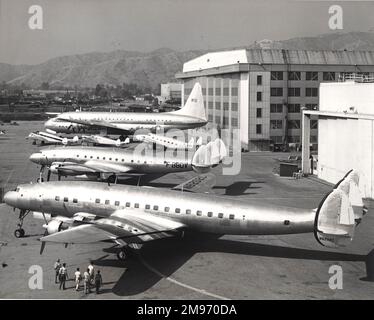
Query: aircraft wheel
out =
(122, 255)
(19, 233)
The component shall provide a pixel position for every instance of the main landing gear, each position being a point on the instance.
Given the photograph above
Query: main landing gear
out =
(20, 233)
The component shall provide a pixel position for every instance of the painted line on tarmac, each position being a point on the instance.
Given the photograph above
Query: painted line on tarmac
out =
(178, 283)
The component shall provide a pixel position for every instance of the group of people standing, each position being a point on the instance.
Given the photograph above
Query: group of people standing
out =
(89, 277)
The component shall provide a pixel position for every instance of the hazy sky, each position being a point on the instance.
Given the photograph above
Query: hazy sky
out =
(72, 26)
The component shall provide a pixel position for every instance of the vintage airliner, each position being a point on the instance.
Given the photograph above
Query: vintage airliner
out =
(191, 115)
(76, 212)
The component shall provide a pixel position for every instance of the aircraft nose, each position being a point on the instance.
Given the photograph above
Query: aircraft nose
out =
(10, 198)
(49, 123)
(37, 158)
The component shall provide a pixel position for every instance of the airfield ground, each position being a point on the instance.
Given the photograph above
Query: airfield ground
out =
(232, 267)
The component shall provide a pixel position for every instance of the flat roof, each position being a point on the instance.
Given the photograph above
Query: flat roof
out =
(241, 60)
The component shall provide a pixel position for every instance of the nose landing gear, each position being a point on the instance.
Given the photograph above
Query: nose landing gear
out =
(20, 233)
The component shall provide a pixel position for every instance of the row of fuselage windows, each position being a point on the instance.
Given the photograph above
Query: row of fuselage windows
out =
(128, 119)
(111, 159)
(148, 207)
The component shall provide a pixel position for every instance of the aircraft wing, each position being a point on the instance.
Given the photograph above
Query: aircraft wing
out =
(92, 166)
(128, 225)
(203, 183)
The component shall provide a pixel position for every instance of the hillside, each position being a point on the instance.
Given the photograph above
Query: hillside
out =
(150, 69)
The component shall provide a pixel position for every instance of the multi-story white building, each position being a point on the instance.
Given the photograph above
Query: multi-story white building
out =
(261, 92)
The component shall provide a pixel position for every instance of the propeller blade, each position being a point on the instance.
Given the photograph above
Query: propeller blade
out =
(48, 175)
(42, 246)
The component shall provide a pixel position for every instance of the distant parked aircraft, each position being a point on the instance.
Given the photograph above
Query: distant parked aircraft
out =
(106, 141)
(167, 141)
(50, 137)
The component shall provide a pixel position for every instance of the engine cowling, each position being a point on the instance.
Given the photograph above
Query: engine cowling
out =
(55, 226)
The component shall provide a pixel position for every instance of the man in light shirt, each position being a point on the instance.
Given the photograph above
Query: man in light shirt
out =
(78, 278)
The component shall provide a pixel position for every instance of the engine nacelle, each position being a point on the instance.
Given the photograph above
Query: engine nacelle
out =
(55, 226)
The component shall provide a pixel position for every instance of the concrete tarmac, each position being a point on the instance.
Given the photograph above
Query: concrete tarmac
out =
(196, 267)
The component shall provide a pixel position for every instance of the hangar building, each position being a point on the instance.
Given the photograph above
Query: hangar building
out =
(261, 92)
(345, 131)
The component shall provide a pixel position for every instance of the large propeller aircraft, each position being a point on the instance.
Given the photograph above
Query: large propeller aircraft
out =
(191, 115)
(131, 216)
(105, 163)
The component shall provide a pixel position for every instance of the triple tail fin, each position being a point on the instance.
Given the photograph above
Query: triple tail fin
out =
(340, 212)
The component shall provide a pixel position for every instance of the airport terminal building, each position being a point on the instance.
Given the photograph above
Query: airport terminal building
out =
(262, 92)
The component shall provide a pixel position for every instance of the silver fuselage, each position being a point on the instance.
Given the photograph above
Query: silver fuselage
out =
(200, 212)
(141, 162)
(126, 121)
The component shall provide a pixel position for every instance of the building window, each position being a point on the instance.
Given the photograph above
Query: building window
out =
(311, 76)
(276, 108)
(218, 105)
(210, 117)
(234, 122)
(329, 76)
(294, 139)
(313, 139)
(225, 121)
(294, 92)
(276, 124)
(234, 106)
(294, 124)
(294, 75)
(259, 113)
(210, 91)
(234, 91)
(276, 92)
(276, 139)
(313, 124)
(258, 128)
(259, 80)
(218, 91)
(226, 91)
(259, 96)
(276, 75)
(294, 108)
(225, 106)
(218, 119)
(311, 92)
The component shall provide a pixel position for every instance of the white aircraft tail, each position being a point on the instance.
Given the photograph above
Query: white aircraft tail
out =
(208, 156)
(340, 212)
(194, 106)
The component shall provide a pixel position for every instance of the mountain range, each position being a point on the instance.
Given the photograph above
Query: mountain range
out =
(152, 68)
